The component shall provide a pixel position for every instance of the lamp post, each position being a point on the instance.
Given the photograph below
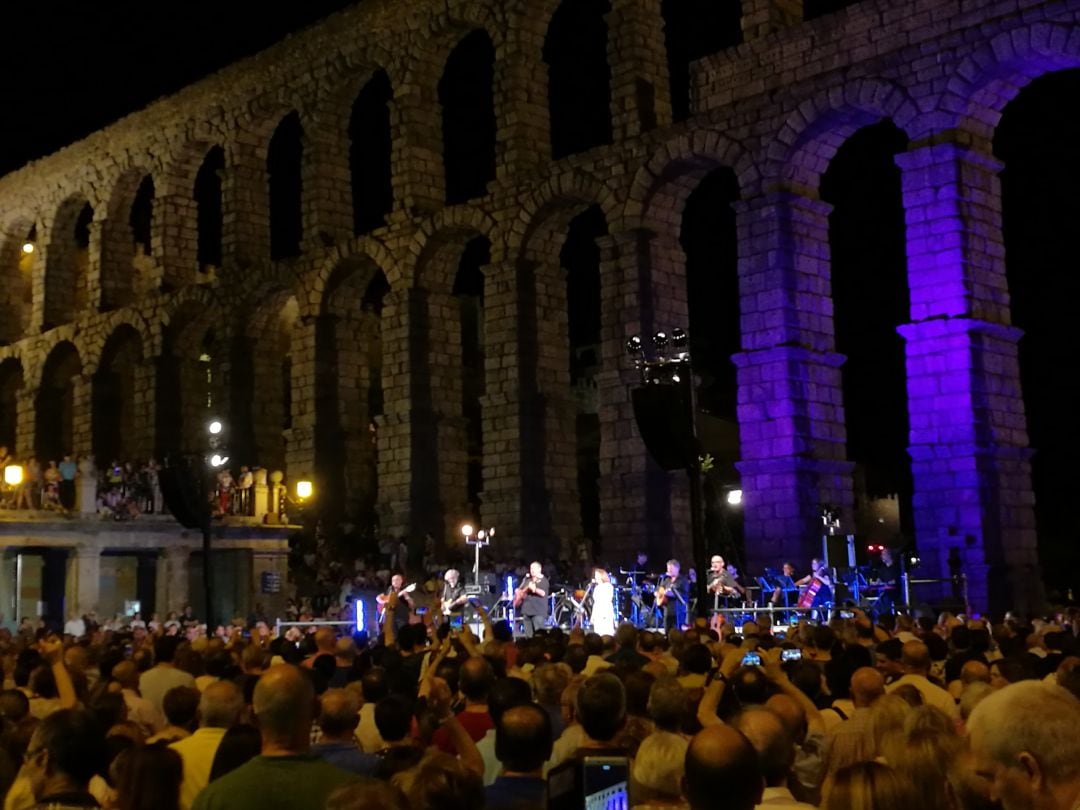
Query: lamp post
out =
(667, 389)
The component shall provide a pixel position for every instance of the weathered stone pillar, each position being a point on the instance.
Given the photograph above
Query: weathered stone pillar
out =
(83, 579)
(636, 507)
(969, 442)
(245, 194)
(300, 438)
(96, 296)
(81, 399)
(790, 401)
(416, 124)
(25, 423)
(144, 409)
(640, 84)
(327, 184)
(763, 17)
(524, 137)
(172, 591)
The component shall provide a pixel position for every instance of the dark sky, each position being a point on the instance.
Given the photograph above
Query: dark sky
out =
(71, 68)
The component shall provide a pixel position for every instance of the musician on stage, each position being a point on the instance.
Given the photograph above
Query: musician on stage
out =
(819, 585)
(602, 617)
(672, 596)
(453, 595)
(721, 582)
(886, 575)
(532, 596)
(404, 606)
(788, 570)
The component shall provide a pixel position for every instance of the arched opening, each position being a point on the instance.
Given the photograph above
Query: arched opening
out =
(188, 387)
(579, 77)
(17, 258)
(11, 383)
(709, 241)
(349, 392)
(469, 292)
(1036, 140)
(55, 404)
(370, 151)
(127, 240)
(580, 260)
(693, 29)
(269, 348)
(68, 261)
(467, 96)
(284, 168)
(870, 300)
(113, 427)
(208, 208)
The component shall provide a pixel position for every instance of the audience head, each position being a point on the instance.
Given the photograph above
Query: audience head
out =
(721, 756)
(440, 782)
(601, 706)
(523, 740)
(339, 713)
(149, 779)
(65, 752)
(220, 705)
(659, 767)
(181, 706)
(393, 718)
(368, 794)
(867, 786)
(475, 679)
(915, 658)
(1025, 743)
(867, 685)
(772, 741)
(668, 705)
(284, 705)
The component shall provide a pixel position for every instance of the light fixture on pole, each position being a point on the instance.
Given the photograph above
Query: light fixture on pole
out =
(304, 490)
(13, 475)
(28, 247)
(734, 497)
(483, 538)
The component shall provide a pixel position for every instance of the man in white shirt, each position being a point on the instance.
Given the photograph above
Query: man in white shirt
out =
(374, 687)
(75, 626)
(219, 709)
(139, 710)
(915, 659)
(163, 676)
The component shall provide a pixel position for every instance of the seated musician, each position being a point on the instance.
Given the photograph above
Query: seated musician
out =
(721, 582)
(788, 570)
(886, 574)
(820, 582)
(453, 595)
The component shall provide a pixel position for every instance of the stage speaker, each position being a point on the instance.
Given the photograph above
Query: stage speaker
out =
(663, 417)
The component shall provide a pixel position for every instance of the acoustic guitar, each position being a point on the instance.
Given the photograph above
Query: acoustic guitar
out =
(382, 600)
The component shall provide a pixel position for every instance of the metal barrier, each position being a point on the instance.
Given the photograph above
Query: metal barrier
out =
(279, 624)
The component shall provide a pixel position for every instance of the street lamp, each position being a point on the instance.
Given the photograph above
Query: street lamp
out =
(304, 490)
(13, 475)
(734, 497)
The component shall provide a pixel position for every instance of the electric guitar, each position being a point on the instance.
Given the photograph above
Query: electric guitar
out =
(382, 599)
(450, 604)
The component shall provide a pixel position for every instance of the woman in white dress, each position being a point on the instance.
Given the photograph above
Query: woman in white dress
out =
(603, 611)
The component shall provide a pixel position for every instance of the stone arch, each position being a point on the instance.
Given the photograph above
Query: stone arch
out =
(809, 138)
(451, 227)
(17, 276)
(549, 209)
(11, 389)
(994, 73)
(466, 92)
(67, 261)
(661, 187)
(126, 250)
(120, 388)
(317, 286)
(60, 398)
(189, 203)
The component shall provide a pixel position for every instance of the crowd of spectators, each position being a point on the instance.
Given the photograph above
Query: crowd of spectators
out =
(937, 715)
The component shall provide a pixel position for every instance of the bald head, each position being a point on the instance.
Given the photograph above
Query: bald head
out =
(339, 713)
(220, 705)
(867, 685)
(126, 674)
(284, 704)
(772, 741)
(790, 712)
(974, 672)
(915, 657)
(325, 640)
(720, 755)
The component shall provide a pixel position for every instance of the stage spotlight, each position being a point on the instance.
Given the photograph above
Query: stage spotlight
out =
(634, 347)
(218, 460)
(679, 340)
(467, 530)
(660, 341)
(28, 248)
(734, 497)
(215, 427)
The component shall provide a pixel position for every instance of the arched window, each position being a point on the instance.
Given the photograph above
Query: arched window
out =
(370, 152)
(466, 93)
(114, 398)
(469, 291)
(284, 167)
(207, 193)
(579, 77)
(11, 382)
(142, 216)
(55, 404)
(19, 252)
(694, 29)
(67, 264)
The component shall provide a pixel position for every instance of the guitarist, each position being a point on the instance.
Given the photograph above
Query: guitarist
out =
(671, 596)
(405, 603)
(453, 595)
(531, 600)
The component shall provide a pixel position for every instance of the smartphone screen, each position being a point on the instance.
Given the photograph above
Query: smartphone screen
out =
(606, 783)
(751, 659)
(791, 655)
(456, 621)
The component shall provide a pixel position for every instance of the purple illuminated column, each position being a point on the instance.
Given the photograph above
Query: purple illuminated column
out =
(791, 411)
(968, 441)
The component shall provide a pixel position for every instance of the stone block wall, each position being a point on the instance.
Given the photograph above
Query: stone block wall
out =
(774, 108)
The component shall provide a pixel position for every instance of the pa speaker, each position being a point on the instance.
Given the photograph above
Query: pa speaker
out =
(663, 417)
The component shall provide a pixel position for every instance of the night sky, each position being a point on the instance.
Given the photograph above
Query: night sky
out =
(68, 74)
